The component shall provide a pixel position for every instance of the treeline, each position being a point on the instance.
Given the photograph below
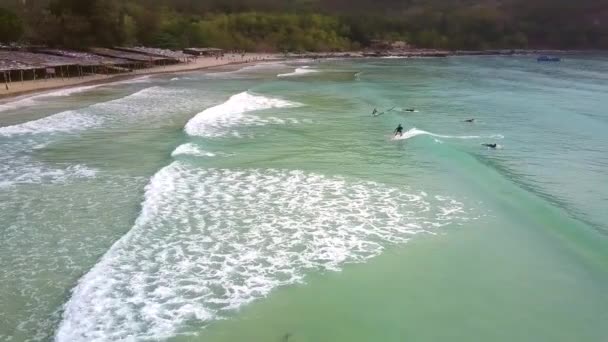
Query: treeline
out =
(307, 25)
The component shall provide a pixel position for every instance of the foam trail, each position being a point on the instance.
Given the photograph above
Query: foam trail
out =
(212, 122)
(74, 120)
(241, 73)
(61, 122)
(192, 150)
(209, 241)
(141, 79)
(32, 100)
(416, 132)
(27, 172)
(299, 72)
(264, 65)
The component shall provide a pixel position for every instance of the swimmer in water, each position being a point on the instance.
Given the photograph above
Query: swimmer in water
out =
(410, 110)
(490, 145)
(399, 130)
(469, 120)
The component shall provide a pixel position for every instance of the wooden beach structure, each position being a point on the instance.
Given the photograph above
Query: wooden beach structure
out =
(19, 64)
(139, 60)
(89, 63)
(22, 65)
(175, 56)
(14, 71)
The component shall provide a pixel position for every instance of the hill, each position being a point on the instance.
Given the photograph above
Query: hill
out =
(314, 25)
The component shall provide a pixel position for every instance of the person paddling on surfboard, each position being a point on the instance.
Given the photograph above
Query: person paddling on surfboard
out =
(490, 145)
(399, 130)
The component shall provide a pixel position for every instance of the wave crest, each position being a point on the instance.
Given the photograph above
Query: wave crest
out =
(416, 132)
(212, 122)
(299, 72)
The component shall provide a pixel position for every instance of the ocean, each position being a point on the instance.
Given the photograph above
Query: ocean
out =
(268, 204)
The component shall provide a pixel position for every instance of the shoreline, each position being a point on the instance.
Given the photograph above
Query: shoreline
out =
(39, 87)
(438, 53)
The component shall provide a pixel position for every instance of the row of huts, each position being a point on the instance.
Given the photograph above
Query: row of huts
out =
(34, 63)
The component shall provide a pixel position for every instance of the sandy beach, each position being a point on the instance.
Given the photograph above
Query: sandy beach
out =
(29, 87)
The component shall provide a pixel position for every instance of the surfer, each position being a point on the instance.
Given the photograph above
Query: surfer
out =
(469, 120)
(374, 112)
(490, 145)
(399, 130)
(410, 110)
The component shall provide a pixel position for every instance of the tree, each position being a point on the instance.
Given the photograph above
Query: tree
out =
(11, 27)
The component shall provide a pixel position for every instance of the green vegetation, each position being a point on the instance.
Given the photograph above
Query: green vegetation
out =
(11, 27)
(307, 25)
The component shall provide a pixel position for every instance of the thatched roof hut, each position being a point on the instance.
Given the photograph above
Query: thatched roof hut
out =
(85, 58)
(132, 56)
(175, 55)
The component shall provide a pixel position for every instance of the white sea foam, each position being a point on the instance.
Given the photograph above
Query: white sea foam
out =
(211, 240)
(299, 72)
(17, 166)
(32, 100)
(28, 101)
(214, 121)
(264, 66)
(193, 150)
(62, 122)
(141, 79)
(28, 172)
(416, 132)
(80, 119)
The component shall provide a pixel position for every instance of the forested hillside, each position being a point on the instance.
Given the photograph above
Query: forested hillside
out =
(307, 25)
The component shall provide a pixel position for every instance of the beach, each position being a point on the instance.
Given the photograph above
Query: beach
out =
(40, 85)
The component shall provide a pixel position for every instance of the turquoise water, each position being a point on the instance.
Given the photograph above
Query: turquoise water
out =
(267, 204)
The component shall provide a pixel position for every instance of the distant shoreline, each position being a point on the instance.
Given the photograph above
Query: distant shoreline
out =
(370, 53)
(19, 89)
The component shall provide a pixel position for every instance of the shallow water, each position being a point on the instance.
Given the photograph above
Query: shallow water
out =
(268, 204)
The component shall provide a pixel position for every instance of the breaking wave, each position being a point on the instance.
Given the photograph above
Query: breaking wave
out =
(416, 132)
(299, 72)
(212, 122)
(209, 241)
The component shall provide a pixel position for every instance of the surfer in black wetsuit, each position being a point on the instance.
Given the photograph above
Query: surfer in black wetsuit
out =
(490, 145)
(469, 120)
(411, 110)
(375, 112)
(399, 130)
